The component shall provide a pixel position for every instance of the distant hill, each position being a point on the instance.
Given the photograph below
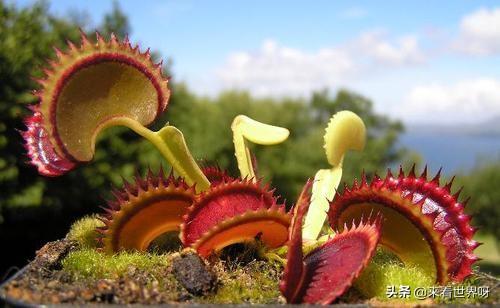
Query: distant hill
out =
(489, 128)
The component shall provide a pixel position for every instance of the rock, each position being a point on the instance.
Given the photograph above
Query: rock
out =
(192, 273)
(51, 255)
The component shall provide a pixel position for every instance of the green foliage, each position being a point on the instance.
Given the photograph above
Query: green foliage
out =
(26, 40)
(115, 22)
(48, 206)
(89, 263)
(84, 232)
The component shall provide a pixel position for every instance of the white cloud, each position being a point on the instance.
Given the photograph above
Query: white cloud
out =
(468, 101)
(404, 50)
(480, 33)
(279, 70)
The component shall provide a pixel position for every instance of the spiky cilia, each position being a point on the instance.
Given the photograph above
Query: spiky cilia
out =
(231, 212)
(424, 223)
(144, 210)
(216, 175)
(85, 90)
(234, 212)
(329, 270)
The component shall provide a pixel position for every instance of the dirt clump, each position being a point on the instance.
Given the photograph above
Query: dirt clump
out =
(190, 270)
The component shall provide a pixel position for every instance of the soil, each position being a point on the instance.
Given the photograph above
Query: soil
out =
(44, 282)
(190, 280)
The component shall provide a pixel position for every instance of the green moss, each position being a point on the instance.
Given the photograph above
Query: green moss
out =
(89, 263)
(386, 270)
(257, 283)
(83, 231)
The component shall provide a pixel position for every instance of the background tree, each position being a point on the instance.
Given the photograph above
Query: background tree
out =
(287, 165)
(115, 22)
(34, 209)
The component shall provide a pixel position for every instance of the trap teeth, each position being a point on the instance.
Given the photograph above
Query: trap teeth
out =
(418, 208)
(59, 134)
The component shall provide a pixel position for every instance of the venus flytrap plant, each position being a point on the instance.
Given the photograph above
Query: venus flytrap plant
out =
(345, 131)
(326, 272)
(93, 87)
(245, 128)
(96, 86)
(425, 224)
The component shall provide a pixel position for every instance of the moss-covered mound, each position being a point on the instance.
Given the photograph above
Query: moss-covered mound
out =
(73, 270)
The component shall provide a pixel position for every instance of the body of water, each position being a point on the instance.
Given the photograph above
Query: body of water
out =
(453, 152)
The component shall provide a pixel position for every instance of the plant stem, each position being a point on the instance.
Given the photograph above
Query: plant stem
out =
(171, 144)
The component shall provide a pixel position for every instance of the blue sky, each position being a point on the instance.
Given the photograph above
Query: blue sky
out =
(433, 63)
